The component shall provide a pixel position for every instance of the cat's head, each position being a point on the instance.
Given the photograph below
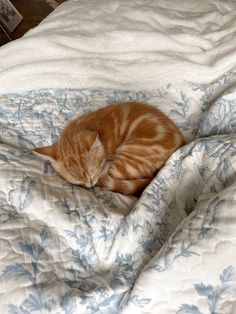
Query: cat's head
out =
(78, 158)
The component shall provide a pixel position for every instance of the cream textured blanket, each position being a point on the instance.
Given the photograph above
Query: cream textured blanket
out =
(123, 43)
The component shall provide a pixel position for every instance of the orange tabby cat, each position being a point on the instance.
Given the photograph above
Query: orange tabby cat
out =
(119, 147)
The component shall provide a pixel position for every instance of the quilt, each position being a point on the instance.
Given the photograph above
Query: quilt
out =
(66, 249)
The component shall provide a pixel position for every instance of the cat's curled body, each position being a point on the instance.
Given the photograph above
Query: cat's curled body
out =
(119, 147)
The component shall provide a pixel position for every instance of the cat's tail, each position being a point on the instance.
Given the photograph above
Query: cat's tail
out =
(128, 187)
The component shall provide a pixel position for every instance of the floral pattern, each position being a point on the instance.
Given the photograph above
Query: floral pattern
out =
(213, 294)
(65, 249)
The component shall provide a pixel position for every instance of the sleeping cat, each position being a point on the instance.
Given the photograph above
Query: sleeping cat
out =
(119, 147)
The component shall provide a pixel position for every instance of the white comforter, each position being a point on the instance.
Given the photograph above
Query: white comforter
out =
(135, 44)
(68, 250)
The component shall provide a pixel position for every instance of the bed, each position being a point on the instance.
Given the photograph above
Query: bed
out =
(65, 249)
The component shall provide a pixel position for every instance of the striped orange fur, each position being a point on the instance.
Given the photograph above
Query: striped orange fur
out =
(119, 147)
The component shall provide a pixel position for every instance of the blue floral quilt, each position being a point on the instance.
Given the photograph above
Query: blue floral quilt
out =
(65, 249)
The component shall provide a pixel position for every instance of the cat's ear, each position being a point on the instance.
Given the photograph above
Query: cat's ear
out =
(97, 145)
(48, 152)
(90, 140)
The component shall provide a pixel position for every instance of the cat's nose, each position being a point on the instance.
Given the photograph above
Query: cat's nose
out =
(89, 184)
(85, 185)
